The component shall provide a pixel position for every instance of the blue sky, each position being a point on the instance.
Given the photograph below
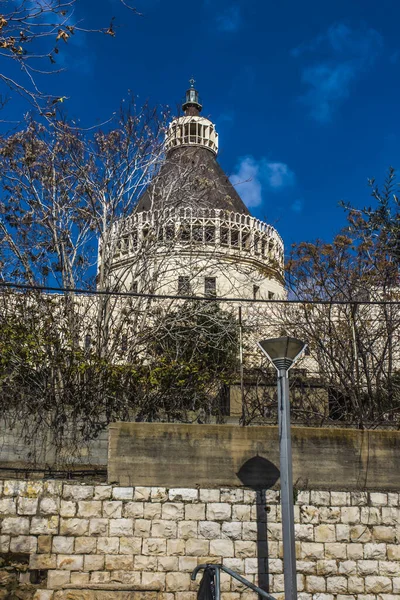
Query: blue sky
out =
(304, 95)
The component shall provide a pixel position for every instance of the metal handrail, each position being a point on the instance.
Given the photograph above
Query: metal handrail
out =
(217, 569)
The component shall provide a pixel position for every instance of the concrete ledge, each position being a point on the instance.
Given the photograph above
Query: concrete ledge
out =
(177, 455)
(104, 592)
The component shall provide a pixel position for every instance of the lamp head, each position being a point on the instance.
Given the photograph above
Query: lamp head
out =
(283, 351)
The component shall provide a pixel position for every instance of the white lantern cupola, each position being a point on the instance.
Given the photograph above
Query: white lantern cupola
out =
(192, 129)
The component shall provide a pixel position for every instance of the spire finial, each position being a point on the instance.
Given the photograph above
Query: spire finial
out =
(192, 105)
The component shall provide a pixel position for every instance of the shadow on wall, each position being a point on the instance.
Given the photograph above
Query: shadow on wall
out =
(260, 474)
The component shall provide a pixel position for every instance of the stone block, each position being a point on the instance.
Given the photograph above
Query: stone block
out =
(245, 549)
(355, 585)
(63, 544)
(93, 562)
(116, 561)
(186, 564)
(307, 567)
(25, 544)
(42, 561)
(197, 547)
(102, 492)
(152, 510)
(389, 568)
(44, 543)
(195, 512)
(340, 498)
(165, 529)
(209, 495)
(209, 530)
(384, 534)
(236, 564)
(14, 487)
(15, 525)
(336, 550)
(309, 514)
(58, 578)
(336, 585)
(327, 567)
(348, 567)
(359, 498)
(112, 509)
(69, 562)
(378, 499)
(108, 545)
(131, 577)
(154, 581)
(74, 526)
(121, 527)
(183, 495)
(79, 578)
(8, 506)
(231, 495)
(173, 510)
(343, 533)
(141, 494)
(304, 532)
(372, 551)
(311, 550)
(232, 530)
(68, 508)
(320, 498)
(145, 563)
(133, 510)
(223, 548)
(219, 511)
(142, 528)
(330, 514)
(393, 499)
(85, 545)
(154, 546)
(315, 584)
(367, 567)
(393, 552)
(360, 533)
(241, 512)
(177, 582)
(98, 527)
(49, 506)
(100, 577)
(350, 514)
(45, 525)
(303, 497)
(325, 533)
(43, 595)
(77, 492)
(27, 506)
(158, 494)
(89, 508)
(52, 487)
(378, 585)
(249, 530)
(176, 547)
(122, 493)
(371, 515)
(390, 515)
(355, 551)
(168, 563)
(130, 545)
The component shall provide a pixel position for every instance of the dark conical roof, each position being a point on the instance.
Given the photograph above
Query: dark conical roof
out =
(191, 177)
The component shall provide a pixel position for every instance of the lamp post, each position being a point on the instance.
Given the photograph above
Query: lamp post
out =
(283, 352)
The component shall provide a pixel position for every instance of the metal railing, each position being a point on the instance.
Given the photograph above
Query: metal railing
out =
(217, 580)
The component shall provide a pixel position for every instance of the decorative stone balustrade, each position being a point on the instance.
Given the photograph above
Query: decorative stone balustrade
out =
(204, 228)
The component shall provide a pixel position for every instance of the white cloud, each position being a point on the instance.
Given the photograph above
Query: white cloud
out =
(254, 178)
(335, 61)
(229, 20)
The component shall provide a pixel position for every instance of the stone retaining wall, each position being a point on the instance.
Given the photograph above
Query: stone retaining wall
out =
(102, 541)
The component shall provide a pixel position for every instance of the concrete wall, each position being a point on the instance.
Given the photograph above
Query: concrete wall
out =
(97, 542)
(228, 455)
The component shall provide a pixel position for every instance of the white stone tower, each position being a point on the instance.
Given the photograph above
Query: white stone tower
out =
(191, 233)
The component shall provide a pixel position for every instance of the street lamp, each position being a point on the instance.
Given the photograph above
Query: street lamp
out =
(283, 353)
